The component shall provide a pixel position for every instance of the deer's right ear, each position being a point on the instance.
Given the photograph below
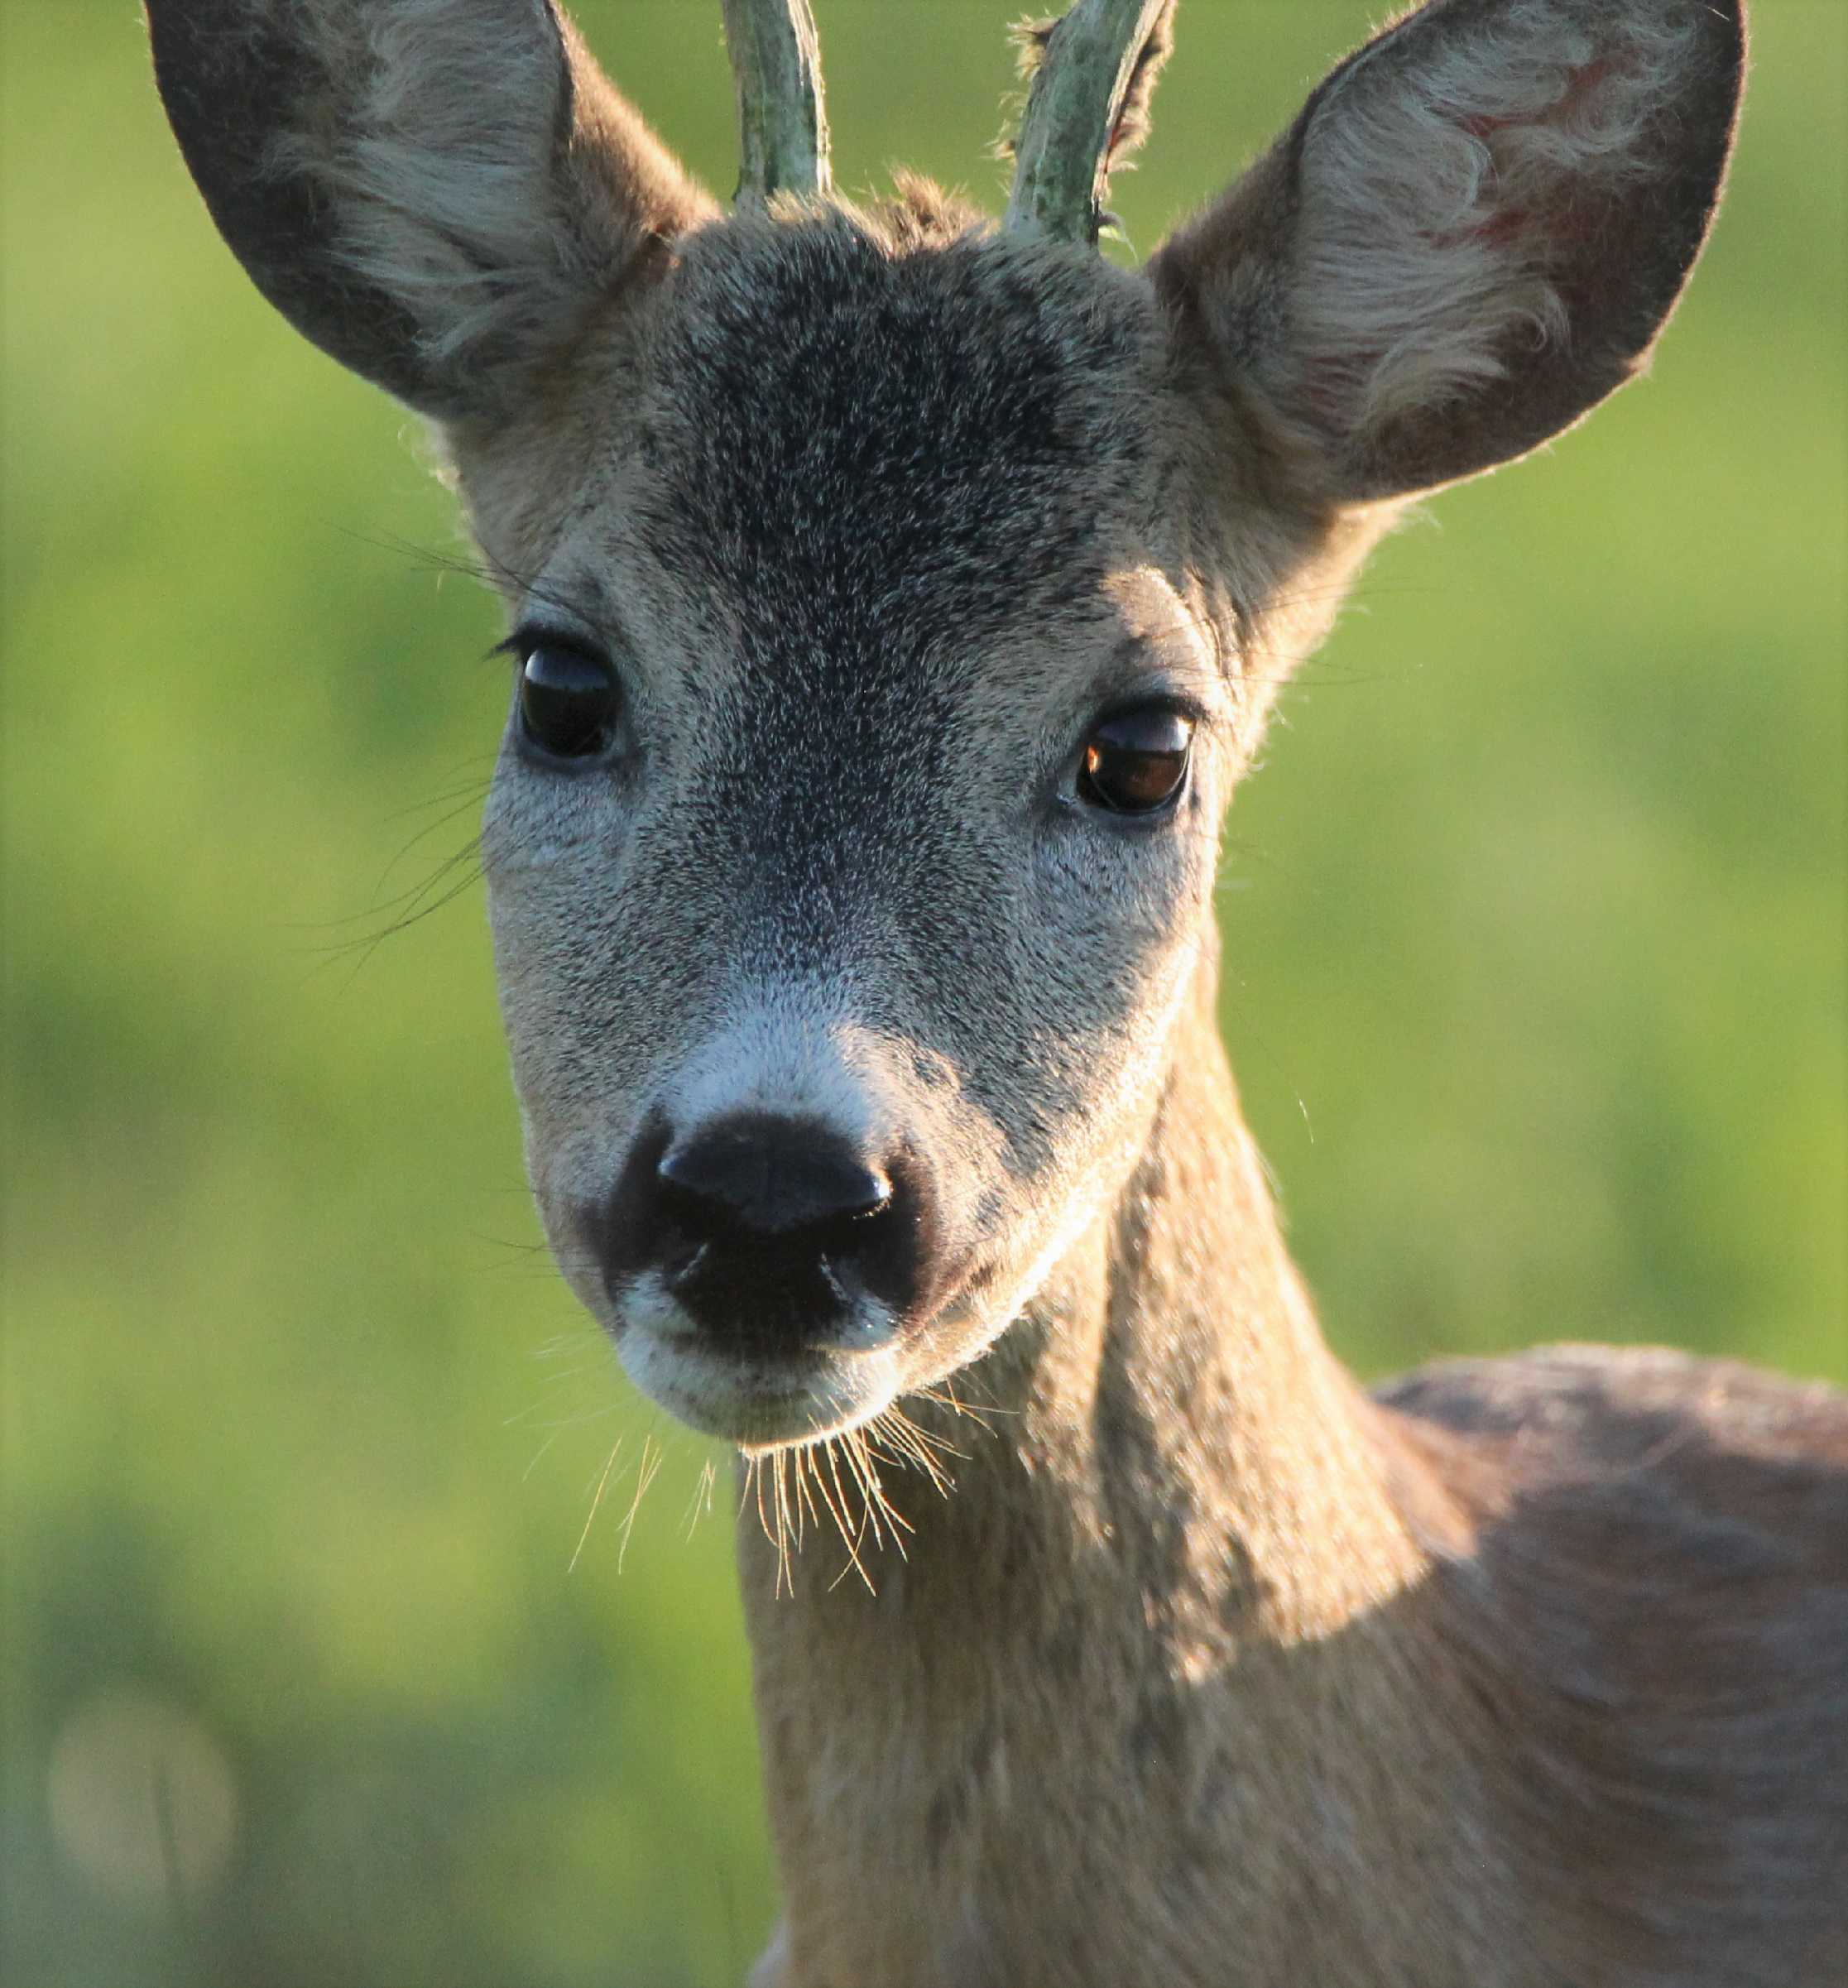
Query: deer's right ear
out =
(435, 192)
(1471, 235)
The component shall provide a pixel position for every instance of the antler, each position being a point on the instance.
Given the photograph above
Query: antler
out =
(1086, 107)
(782, 125)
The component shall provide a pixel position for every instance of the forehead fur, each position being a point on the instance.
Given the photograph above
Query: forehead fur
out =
(892, 435)
(866, 425)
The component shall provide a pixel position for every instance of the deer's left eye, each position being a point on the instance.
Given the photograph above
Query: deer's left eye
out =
(567, 702)
(1134, 762)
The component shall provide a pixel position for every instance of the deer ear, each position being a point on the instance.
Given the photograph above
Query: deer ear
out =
(433, 191)
(1471, 235)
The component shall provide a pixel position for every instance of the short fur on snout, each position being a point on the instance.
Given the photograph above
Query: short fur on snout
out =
(1214, 1670)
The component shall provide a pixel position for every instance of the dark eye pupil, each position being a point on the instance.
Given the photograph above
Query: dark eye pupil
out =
(1135, 762)
(566, 703)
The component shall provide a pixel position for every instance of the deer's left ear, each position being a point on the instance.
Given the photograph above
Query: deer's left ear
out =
(1472, 234)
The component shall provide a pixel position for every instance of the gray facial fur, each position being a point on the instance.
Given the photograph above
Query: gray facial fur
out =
(859, 555)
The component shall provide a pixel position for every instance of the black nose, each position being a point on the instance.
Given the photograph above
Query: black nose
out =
(776, 1234)
(757, 1177)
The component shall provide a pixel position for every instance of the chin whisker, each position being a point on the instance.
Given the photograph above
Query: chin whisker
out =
(836, 1502)
(603, 1486)
(909, 1443)
(653, 1454)
(702, 1499)
(944, 1395)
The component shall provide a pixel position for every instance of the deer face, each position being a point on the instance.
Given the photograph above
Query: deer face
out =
(843, 896)
(896, 598)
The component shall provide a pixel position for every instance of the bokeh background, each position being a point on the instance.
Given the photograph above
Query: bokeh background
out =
(313, 1674)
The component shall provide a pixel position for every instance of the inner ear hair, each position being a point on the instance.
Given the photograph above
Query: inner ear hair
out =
(1472, 234)
(432, 191)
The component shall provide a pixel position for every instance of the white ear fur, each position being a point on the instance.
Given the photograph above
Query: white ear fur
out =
(1471, 235)
(441, 173)
(1435, 214)
(435, 191)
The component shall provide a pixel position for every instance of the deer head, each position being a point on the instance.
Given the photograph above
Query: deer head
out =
(897, 598)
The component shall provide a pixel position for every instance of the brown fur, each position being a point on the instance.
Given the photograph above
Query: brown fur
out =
(1532, 1674)
(1212, 1669)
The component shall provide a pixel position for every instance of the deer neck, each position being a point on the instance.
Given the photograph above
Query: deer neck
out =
(1180, 1545)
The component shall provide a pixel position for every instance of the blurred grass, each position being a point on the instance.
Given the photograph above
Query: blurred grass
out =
(1535, 952)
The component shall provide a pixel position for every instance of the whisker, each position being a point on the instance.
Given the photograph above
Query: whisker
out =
(780, 1519)
(603, 1486)
(879, 1506)
(944, 1393)
(551, 1438)
(486, 571)
(421, 903)
(916, 1445)
(835, 1501)
(652, 1456)
(702, 1500)
(804, 1496)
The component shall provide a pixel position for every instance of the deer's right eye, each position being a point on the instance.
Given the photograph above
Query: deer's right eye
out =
(567, 702)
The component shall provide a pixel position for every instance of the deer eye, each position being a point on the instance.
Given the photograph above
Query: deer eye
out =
(1135, 762)
(567, 702)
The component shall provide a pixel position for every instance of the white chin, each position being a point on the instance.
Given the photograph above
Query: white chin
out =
(755, 1402)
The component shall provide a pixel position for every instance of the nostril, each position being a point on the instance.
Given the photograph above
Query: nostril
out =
(758, 1176)
(769, 1231)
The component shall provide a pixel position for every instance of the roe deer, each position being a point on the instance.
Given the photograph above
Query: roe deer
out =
(897, 598)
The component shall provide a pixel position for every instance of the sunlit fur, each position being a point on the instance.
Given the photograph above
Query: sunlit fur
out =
(1430, 263)
(1177, 1659)
(1423, 232)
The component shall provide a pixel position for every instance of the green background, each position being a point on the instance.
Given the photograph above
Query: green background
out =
(1534, 933)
